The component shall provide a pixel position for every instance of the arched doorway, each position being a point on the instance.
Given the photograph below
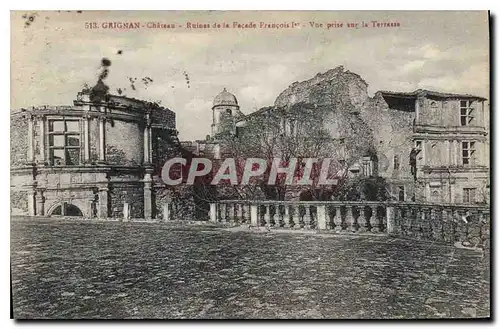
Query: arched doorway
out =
(66, 209)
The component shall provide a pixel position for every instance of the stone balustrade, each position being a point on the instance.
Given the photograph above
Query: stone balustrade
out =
(443, 223)
(337, 216)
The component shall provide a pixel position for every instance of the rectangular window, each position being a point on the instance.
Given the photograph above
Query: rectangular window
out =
(466, 113)
(64, 142)
(469, 195)
(468, 152)
(396, 162)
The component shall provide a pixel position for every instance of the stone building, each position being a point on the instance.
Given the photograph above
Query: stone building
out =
(100, 157)
(450, 143)
(429, 146)
(225, 108)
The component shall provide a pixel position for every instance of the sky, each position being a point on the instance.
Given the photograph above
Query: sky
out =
(54, 56)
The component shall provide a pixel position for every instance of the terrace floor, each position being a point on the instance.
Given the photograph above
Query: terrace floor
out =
(143, 270)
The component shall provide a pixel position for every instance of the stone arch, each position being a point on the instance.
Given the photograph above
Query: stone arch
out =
(64, 209)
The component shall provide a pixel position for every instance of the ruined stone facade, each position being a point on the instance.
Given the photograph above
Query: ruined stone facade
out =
(450, 139)
(429, 146)
(97, 158)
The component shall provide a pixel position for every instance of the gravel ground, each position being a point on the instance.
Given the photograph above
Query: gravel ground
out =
(140, 270)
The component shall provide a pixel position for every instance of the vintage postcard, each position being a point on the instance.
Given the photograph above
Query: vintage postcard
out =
(250, 164)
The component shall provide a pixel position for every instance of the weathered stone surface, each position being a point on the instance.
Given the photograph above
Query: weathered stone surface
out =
(131, 270)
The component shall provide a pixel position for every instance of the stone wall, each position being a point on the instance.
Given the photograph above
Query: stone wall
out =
(18, 202)
(18, 140)
(124, 143)
(132, 193)
(164, 117)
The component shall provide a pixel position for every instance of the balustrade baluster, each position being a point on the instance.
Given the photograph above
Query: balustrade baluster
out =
(239, 213)
(375, 220)
(350, 219)
(362, 221)
(246, 214)
(330, 224)
(296, 216)
(313, 223)
(230, 212)
(222, 212)
(267, 215)
(286, 216)
(275, 221)
(338, 219)
(307, 217)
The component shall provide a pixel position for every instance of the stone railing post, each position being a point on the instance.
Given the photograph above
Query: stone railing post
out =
(126, 212)
(166, 211)
(254, 219)
(321, 214)
(390, 219)
(213, 212)
(286, 216)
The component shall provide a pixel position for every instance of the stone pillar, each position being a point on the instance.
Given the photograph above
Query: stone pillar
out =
(40, 211)
(31, 141)
(254, 219)
(41, 122)
(447, 153)
(150, 149)
(86, 138)
(31, 203)
(90, 208)
(148, 209)
(458, 153)
(321, 213)
(213, 212)
(103, 202)
(126, 212)
(102, 140)
(147, 140)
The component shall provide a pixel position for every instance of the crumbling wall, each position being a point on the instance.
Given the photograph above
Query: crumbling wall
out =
(18, 140)
(124, 143)
(164, 117)
(18, 202)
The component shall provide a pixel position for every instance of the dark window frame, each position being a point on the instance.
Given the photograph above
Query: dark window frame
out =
(66, 133)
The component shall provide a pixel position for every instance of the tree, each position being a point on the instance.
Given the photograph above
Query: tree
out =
(298, 131)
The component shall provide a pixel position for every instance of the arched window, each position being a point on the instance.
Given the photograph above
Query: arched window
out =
(66, 209)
